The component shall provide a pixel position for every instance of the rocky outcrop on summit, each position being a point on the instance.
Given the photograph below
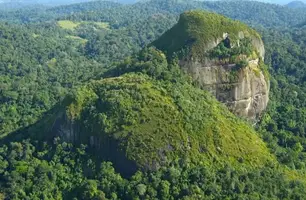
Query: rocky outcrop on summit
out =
(224, 57)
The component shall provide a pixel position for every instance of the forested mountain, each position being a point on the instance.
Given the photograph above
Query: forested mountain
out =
(296, 4)
(20, 3)
(263, 14)
(92, 108)
(17, 4)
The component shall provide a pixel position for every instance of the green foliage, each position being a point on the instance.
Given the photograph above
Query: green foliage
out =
(70, 25)
(84, 96)
(241, 64)
(138, 113)
(152, 105)
(36, 73)
(265, 69)
(66, 24)
(283, 125)
(60, 171)
(132, 27)
(234, 52)
(196, 29)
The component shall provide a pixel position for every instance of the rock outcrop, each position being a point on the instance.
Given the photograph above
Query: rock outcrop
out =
(245, 90)
(246, 95)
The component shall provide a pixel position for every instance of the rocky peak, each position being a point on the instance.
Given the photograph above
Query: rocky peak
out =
(224, 57)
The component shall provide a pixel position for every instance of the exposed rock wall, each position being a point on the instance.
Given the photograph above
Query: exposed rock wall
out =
(245, 92)
(245, 89)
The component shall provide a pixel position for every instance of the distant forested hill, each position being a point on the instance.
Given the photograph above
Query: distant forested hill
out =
(296, 4)
(262, 14)
(20, 3)
(15, 4)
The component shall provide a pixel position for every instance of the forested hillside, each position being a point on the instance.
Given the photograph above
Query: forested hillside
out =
(296, 4)
(90, 62)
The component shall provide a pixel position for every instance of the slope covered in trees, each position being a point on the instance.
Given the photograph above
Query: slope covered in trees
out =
(200, 30)
(42, 62)
(284, 123)
(130, 29)
(296, 4)
(127, 108)
(155, 122)
(32, 78)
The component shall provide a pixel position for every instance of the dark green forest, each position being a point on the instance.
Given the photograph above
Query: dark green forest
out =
(84, 59)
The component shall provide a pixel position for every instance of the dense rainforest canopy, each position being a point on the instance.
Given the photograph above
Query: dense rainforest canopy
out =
(50, 56)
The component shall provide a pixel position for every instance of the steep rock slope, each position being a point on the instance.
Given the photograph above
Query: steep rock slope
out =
(224, 57)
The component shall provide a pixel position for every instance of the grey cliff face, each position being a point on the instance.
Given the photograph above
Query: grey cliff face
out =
(245, 92)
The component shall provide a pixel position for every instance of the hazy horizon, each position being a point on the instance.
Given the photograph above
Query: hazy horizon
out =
(61, 2)
(282, 1)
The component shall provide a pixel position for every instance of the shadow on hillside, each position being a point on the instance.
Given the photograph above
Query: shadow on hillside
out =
(48, 128)
(34, 131)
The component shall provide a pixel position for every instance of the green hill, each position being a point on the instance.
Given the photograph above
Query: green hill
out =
(296, 4)
(135, 120)
(198, 31)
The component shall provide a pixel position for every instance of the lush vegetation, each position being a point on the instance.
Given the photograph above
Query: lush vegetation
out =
(35, 56)
(157, 122)
(60, 171)
(32, 78)
(196, 30)
(226, 49)
(284, 123)
(230, 52)
(49, 53)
